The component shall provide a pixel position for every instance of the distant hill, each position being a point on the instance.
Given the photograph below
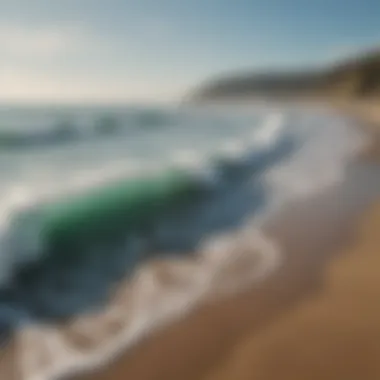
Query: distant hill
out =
(356, 77)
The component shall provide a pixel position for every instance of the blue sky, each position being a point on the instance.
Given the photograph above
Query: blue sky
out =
(156, 50)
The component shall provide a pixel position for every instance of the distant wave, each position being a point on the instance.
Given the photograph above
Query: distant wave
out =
(58, 135)
(69, 131)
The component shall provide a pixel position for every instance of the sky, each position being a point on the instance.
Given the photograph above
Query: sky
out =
(158, 50)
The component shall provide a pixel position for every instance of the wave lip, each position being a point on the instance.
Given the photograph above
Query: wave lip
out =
(63, 226)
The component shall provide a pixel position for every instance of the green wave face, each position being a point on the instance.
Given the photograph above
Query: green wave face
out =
(102, 213)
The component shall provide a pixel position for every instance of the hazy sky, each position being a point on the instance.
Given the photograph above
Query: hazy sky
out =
(137, 50)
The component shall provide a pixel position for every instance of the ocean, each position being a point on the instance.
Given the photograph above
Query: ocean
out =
(230, 170)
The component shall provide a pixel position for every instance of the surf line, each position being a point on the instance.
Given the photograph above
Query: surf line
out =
(46, 354)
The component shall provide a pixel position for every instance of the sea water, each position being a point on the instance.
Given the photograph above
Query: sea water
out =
(213, 246)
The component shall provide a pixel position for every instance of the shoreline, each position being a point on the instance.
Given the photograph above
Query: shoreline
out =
(219, 327)
(254, 308)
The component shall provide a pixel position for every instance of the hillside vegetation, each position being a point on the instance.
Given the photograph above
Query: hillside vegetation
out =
(357, 77)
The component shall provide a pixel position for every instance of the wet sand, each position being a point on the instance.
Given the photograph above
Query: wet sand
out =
(223, 338)
(366, 115)
(332, 335)
(8, 368)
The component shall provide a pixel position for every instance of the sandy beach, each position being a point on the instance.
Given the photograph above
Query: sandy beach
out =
(314, 318)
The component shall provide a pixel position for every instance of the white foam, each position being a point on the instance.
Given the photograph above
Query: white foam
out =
(153, 304)
(269, 133)
(13, 200)
(320, 161)
(233, 149)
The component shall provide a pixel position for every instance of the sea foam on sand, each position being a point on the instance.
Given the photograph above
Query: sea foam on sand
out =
(159, 292)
